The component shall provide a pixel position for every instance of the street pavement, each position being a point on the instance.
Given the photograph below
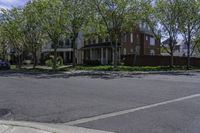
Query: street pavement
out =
(145, 103)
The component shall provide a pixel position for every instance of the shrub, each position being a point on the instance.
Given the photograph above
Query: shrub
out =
(49, 61)
(60, 61)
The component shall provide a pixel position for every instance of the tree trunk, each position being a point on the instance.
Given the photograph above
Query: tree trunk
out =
(188, 47)
(188, 56)
(135, 59)
(4, 52)
(74, 51)
(19, 64)
(34, 58)
(55, 59)
(115, 55)
(171, 60)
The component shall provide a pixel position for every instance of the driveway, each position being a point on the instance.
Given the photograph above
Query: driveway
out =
(146, 103)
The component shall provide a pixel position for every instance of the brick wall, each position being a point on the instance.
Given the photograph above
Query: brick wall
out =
(142, 40)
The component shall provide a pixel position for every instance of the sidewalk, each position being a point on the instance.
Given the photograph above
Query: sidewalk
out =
(28, 127)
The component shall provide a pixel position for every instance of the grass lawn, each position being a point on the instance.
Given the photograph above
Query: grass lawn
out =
(100, 68)
(133, 68)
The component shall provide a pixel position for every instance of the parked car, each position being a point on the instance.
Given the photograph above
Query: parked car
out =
(4, 65)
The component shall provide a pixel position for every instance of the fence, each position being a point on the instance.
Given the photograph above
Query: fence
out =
(148, 60)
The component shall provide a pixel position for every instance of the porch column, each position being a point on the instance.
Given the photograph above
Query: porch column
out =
(82, 57)
(64, 57)
(119, 55)
(113, 56)
(70, 56)
(90, 54)
(106, 55)
(102, 62)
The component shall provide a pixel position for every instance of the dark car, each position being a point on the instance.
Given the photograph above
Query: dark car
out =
(4, 65)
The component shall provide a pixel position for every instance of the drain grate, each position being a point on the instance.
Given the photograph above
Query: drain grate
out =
(4, 112)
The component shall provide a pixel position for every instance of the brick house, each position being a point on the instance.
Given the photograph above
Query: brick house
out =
(140, 42)
(97, 50)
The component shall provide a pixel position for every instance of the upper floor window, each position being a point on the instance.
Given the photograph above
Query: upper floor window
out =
(124, 51)
(100, 40)
(131, 37)
(132, 51)
(147, 38)
(107, 39)
(67, 42)
(125, 37)
(152, 41)
(61, 43)
(137, 36)
(97, 40)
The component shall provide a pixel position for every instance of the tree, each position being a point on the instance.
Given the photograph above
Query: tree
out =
(166, 14)
(189, 23)
(77, 13)
(53, 23)
(32, 29)
(116, 16)
(11, 22)
(3, 44)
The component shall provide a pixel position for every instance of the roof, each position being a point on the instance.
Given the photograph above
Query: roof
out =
(166, 42)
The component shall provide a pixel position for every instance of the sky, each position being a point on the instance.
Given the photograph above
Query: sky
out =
(6, 4)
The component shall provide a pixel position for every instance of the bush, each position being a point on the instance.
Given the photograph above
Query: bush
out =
(49, 61)
(60, 61)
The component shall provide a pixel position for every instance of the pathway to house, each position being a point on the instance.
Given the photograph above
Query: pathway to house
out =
(125, 103)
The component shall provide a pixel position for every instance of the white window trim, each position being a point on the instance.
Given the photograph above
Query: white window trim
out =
(152, 41)
(124, 51)
(125, 37)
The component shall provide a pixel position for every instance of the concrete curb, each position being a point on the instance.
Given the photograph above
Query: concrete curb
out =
(52, 128)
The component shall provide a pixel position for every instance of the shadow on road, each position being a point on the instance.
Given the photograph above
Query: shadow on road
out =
(92, 74)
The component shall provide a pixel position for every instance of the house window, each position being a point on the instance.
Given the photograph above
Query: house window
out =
(125, 37)
(104, 40)
(131, 37)
(149, 28)
(97, 40)
(61, 43)
(152, 41)
(100, 40)
(124, 52)
(131, 50)
(140, 26)
(67, 42)
(147, 38)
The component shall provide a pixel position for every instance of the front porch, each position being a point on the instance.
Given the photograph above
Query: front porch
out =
(102, 55)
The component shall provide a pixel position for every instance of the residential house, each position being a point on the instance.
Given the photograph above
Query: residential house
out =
(98, 50)
(140, 41)
(180, 48)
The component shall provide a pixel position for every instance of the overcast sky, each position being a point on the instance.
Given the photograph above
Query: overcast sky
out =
(12, 3)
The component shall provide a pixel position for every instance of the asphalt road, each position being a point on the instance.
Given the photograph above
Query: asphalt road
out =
(62, 99)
